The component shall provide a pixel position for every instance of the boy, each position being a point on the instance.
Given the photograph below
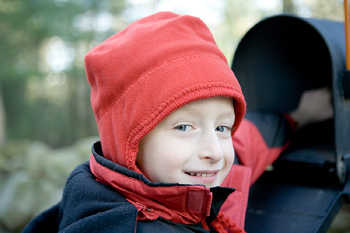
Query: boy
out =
(168, 109)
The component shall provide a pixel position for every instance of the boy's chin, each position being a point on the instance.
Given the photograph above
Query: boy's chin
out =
(211, 186)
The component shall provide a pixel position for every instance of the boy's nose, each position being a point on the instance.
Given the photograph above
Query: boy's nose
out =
(210, 147)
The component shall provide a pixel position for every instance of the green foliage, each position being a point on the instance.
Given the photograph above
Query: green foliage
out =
(26, 28)
(32, 176)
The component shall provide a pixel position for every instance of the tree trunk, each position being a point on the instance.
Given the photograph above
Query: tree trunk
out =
(289, 7)
(2, 121)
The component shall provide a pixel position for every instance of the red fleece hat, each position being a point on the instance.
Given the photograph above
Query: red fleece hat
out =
(143, 73)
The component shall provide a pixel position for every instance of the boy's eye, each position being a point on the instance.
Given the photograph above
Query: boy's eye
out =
(183, 127)
(223, 129)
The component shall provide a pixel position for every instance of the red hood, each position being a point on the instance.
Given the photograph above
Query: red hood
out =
(143, 73)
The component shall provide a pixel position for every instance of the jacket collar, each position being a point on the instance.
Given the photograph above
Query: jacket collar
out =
(187, 204)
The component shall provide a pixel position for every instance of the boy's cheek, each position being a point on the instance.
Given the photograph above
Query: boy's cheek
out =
(229, 152)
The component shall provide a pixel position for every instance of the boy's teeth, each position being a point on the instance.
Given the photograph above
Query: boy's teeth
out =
(200, 174)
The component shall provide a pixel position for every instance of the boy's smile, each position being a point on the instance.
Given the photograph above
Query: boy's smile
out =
(193, 145)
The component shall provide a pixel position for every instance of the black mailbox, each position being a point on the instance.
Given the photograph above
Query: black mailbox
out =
(275, 62)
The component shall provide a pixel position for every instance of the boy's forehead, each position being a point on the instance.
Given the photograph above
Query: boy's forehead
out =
(218, 105)
(210, 102)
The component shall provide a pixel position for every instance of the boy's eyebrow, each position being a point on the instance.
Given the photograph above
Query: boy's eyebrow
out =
(229, 115)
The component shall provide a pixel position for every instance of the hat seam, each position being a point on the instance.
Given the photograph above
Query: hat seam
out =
(173, 99)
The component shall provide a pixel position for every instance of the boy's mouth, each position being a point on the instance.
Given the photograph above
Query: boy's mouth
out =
(202, 173)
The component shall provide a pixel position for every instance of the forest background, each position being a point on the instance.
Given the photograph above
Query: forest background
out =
(46, 122)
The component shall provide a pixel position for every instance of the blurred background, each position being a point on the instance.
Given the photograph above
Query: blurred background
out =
(46, 123)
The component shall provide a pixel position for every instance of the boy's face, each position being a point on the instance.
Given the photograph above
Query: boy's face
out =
(193, 145)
